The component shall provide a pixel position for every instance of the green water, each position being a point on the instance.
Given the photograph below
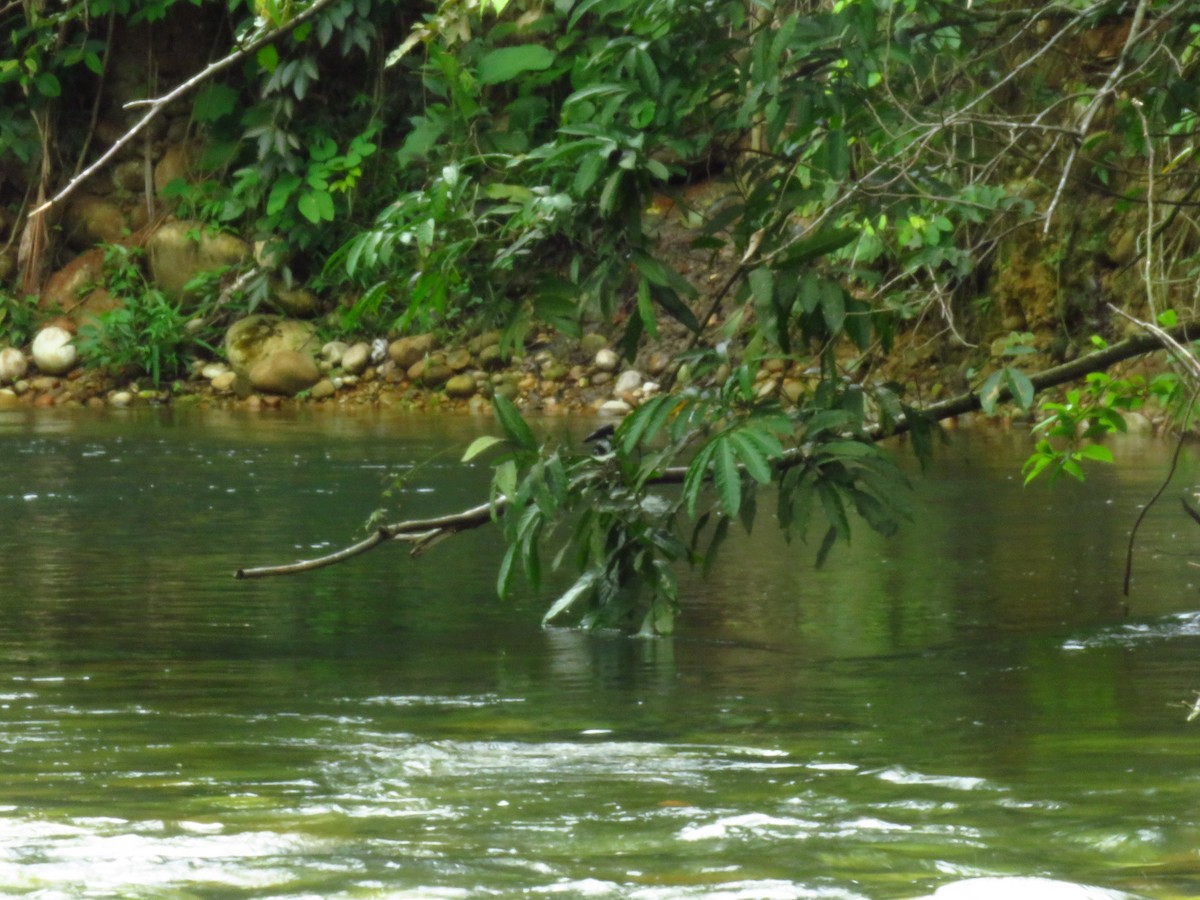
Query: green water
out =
(967, 698)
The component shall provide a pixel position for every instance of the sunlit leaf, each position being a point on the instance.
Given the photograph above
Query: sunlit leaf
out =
(480, 445)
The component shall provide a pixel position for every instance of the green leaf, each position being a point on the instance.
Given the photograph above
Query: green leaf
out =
(515, 427)
(48, 84)
(281, 190)
(835, 508)
(989, 393)
(833, 307)
(762, 288)
(826, 545)
(1020, 387)
(697, 471)
(820, 244)
(316, 206)
(571, 596)
(727, 477)
(506, 63)
(668, 299)
(481, 445)
(504, 578)
(505, 479)
(1096, 453)
(214, 102)
(268, 58)
(751, 456)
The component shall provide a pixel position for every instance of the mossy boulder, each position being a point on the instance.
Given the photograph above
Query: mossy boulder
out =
(255, 338)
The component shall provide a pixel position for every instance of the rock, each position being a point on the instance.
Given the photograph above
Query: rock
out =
(224, 382)
(793, 391)
(460, 386)
(606, 360)
(286, 372)
(333, 351)
(322, 389)
(629, 380)
(431, 372)
(591, 343)
(53, 352)
(129, 176)
(179, 251)
(490, 357)
(614, 408)
(254, 338)
(458, 359)
(299, 302)
(91, 220)
(176, 163)
(657, 363)
(12, 365)
(93, 305)
(507, 390)
(120, 398)
(356, 357)
(407, 350)
(68, 285)
(481, 342)
(213, 370)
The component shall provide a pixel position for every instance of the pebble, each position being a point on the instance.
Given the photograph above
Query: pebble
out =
(607, 360)
(12, 365)
(333, 352)
(629, 380)
(614, 408)
(356, 357)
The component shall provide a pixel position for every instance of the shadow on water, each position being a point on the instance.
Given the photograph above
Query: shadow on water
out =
(968, 698)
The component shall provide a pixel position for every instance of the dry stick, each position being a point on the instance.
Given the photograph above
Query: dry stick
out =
(158, 104)
(424, 533)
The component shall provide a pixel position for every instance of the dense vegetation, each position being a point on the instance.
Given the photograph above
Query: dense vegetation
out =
(885, 166)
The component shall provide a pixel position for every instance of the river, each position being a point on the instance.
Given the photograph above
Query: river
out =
(971, 697)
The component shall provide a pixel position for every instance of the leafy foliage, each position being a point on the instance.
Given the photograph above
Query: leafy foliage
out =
(146, 333)
(499, 158)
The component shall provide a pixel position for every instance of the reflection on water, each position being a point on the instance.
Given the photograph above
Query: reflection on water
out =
(968, 698)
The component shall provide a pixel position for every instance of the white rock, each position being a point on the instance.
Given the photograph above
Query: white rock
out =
(606, 360)
(213, 370)
(53, 352)
(629, 380)
(12, 364)
(356, 357)
(332, 351)
(120, 398)
(614, 408)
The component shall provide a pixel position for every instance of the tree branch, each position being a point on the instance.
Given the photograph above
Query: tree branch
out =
(425, 533)
(158, 104)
